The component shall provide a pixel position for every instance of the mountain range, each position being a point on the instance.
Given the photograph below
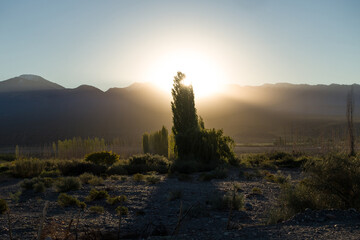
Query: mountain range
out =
(35, 111)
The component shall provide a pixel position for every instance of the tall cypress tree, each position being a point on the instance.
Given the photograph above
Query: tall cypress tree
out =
(185, 119)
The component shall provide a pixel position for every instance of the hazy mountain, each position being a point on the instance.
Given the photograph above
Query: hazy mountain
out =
(34, 111)
(28, 82)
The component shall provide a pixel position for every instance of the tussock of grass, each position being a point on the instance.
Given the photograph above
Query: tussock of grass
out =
(67, 184)
(116, 200)
(96, 195)
(138, 177)
(66, 200)
(97, 209)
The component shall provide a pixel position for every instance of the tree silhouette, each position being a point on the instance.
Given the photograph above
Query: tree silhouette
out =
(204, 147)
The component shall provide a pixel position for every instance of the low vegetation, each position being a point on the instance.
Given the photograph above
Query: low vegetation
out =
(67, 184)
(66, 200)
(97, 195)
(102, 158)
(333, 182)
(97, 209)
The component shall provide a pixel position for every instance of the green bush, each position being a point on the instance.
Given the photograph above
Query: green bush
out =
(96, 195)
(3, 206)
(274, 160)
(78, 167)
(147, 163)
(68, 184)
(38, 184)
(138, 177)
(51, 173)
(26, 168)
(66, 200)
(88, 178)
(332, 182)
(121, 210)
(230, 200)
(97, 209)
(152, 179)
(117, 169)
(102, 158)
(116, 200)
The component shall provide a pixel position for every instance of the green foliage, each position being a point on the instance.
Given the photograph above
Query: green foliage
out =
(78, 167)
(116, 200)
(152, 179)
(138, 177)
(3, 206)
(50, 173)
(7, 157)
(118, 168)
(121, 210)
(96, 195)
(175, 194)
(25, 168)
(68, 184)
(77, 147)
(193, 142)
(156, 142)
(145, 143)
(332, 182)
(88, 178)
(230, 200)
(102, 158)
(37, 184)
(147, 163)
(66, 200)
(274, 160)
(256, 190)
(97, 209)
(15, 196)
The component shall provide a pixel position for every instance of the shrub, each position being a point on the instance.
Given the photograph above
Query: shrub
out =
(230, 200)
(121, 210)
(96, 195)
(102, 158)
(68, 184)
(3, 206)
(152, 179)
(51, 173)
(66, 200)
(333, 182)
(147, 163)
(117, 169)
(78, 167)
(25, 168)
(175, 194)
(97, 209)
(38, 184)
(138, 177)
(88, 178)
(116, 200)
(39, 187)
(256, 190)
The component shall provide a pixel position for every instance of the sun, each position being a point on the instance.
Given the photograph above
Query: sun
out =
(200, 72)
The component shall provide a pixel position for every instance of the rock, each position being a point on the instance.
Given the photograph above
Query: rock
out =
(248, 206)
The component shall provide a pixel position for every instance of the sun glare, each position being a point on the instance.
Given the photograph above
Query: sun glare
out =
(200, 72)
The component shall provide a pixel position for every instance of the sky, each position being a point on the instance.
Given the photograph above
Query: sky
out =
(116, 43)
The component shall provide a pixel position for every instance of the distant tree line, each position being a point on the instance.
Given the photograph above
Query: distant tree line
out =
(156, 142)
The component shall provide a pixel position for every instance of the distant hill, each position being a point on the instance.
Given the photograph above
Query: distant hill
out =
(34, 111)
(28, 82)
